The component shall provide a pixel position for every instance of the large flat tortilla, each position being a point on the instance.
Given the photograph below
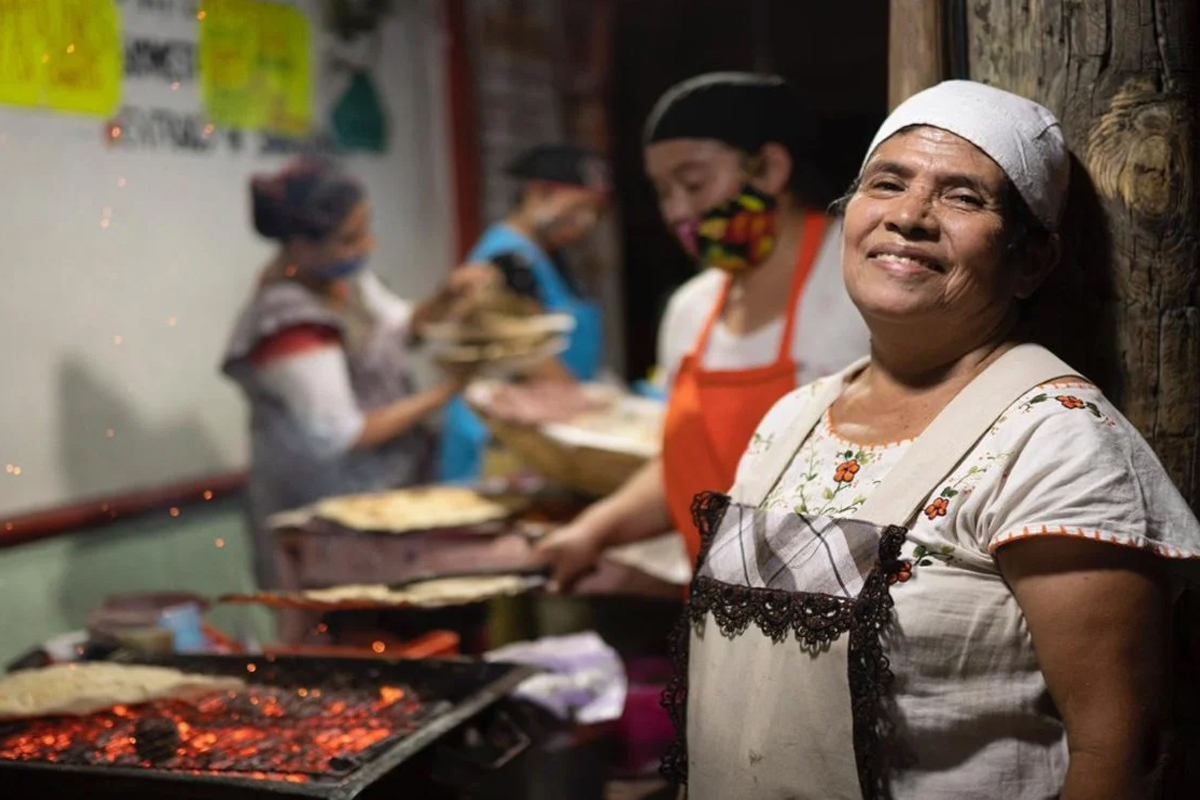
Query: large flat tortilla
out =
(538, 402)
(80, 689)
(426, 508)
(433, 593)
(427, 594)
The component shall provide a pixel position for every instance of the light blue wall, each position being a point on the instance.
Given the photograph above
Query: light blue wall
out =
(50, 586)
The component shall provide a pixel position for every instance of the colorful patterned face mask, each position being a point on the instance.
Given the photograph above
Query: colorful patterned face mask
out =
(735, 235)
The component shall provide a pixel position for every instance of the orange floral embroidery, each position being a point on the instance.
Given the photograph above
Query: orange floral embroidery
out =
(937, 508)
(1070, 401)
(902, 574)
(846, 471)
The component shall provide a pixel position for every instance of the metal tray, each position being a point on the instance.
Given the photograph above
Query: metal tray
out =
(469, 685)
(535, 578)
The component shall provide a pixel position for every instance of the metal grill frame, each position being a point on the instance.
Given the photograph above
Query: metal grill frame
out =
(469, 685)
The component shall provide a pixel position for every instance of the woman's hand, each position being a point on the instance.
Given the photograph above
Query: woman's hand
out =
(463, 291)
(474, 279)
(459, 376)
(572, 552)
(635, 512)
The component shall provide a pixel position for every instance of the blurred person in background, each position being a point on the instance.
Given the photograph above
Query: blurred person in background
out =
(322, 352)
(740, 178)
(564, 190)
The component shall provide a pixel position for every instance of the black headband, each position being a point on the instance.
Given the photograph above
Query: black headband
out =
(562, 163)
(741, 109)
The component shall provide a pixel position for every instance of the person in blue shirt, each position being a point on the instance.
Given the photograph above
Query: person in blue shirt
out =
(564, 190)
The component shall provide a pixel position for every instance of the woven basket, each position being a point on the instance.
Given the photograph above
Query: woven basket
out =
(590, 471)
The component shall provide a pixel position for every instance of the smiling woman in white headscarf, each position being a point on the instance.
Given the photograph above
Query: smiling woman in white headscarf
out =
(943, 573)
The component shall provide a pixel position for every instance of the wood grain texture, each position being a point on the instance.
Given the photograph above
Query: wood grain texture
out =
(916, 59)
(1124, 305)
(1120, 77)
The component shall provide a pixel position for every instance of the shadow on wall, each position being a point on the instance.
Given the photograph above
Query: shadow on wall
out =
(205, 550)
(104, 448)
(1074, 313)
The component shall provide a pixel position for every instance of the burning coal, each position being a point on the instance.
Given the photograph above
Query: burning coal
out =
(270, 732)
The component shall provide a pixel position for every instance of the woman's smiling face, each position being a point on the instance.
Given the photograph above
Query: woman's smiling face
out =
(925, 236)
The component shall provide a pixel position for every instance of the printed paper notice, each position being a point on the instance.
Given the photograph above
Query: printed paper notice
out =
(255, 65)
(61, 54)
(227, 56)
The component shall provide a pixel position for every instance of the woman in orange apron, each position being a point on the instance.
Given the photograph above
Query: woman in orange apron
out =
(740, 182)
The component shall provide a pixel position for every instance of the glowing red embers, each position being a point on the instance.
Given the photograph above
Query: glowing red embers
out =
(291, 734)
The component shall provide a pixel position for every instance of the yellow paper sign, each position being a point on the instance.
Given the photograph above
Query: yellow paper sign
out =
(228, 52)
(255, 65)
(21, 52)
(284, 67)
(63, 54)
(86, 76)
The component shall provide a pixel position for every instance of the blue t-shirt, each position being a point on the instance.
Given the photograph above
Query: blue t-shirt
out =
(465, 436)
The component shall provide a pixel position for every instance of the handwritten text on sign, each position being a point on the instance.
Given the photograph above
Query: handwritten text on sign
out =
(62, 54)
(255, 65)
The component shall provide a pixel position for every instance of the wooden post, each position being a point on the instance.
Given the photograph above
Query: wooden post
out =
(915, 53)
(1120, 77)
(464, 129)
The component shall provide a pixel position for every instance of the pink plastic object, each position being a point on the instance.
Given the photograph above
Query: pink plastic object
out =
(645, 727)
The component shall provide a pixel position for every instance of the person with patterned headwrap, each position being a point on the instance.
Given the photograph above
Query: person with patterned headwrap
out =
(741, 179)
(321, 352)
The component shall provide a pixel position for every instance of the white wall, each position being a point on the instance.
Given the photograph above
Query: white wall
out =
(110, 336)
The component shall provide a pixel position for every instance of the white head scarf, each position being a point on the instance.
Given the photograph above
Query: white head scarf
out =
(1024, 138)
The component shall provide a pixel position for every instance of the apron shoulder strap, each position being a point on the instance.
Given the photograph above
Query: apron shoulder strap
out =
(754, 490)
(812, 236)
(701, 344)
(955, 431)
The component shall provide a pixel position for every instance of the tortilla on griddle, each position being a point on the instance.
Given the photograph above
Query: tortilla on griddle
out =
(420, 508)
(449, 591)
(81, 689)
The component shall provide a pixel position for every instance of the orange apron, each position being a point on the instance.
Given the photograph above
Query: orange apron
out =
(713, 413)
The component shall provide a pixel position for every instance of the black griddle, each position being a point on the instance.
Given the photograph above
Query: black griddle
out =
(466, 687)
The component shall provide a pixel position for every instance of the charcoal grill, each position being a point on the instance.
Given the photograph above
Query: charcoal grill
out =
(451, 691)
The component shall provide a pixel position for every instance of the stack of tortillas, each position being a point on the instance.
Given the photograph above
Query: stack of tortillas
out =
(504, 335)
(79, 689)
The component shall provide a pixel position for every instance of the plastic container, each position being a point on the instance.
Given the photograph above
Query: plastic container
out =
(645, 729)
(180, 613)
(185, 622)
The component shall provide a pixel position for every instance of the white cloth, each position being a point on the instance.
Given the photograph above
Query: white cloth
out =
(829, 332)
(584, 680)
(972, 707)
(392, 311)
(314, 385)
(1023, 137)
